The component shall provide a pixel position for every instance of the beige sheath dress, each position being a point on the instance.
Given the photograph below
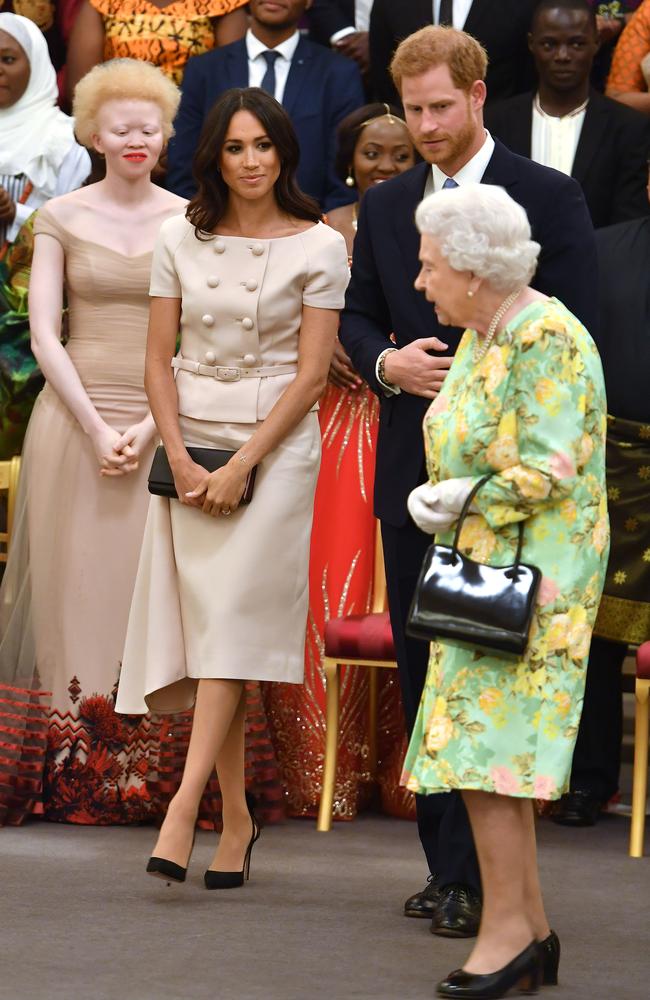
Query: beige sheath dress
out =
(227, 597)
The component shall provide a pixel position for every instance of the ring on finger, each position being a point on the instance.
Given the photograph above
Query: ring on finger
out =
(226, 511)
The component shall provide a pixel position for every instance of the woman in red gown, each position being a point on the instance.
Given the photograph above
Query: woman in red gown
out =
(373, 146)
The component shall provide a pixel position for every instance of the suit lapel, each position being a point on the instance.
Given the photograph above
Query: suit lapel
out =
(412, 185)
(594, 128)
(298, 72)
(501, 169)
(237, 65)
(475, 18)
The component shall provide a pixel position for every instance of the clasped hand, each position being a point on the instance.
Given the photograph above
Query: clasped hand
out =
(435, 508)
(118, 454)
(217, 492)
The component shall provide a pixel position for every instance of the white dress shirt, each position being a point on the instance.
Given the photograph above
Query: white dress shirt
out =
(362, 10)
(554, 141)
(257, 64)
(471, 173)
(460, 10)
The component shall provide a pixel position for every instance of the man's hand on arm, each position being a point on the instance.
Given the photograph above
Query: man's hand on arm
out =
(410, 368)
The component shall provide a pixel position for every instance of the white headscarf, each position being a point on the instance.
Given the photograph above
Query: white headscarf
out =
(35, 136)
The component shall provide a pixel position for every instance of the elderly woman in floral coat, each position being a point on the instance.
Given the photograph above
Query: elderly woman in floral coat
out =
(523, 401)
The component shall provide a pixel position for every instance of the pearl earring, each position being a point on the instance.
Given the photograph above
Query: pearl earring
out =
(349, 180)
(470, 293)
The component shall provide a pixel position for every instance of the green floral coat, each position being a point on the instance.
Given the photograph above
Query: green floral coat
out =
(534, 413)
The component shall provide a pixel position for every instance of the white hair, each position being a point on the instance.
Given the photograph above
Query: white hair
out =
(481, 229)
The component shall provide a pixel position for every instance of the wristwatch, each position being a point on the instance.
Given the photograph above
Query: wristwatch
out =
(380, 372)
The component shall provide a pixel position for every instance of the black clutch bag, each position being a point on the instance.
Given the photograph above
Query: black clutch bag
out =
(487, 606)
(161, 480)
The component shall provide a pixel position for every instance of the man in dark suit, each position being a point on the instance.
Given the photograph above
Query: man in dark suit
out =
(344, 25)
(566, 125)
(445, 118)
(316, 87)
(499, 25)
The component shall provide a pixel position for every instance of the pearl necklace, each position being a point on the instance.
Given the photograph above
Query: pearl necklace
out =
(481, 349)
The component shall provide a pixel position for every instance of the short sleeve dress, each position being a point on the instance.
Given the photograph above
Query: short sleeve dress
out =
(533, 413)
(228, 597)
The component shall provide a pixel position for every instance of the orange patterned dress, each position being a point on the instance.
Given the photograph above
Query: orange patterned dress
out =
(340, 583)
(166, 36)
(626, 75)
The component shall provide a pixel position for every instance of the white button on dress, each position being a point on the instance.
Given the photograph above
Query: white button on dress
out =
(247, 323)
(207, 319)
(210, 357)
(213, 281)
(250, 285)
(249, 359)
(220, 247)
(257, 249)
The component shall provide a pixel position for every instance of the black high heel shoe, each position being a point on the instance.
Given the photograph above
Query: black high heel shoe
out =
(524, 972)
(233, 880)
(169, 870)
(550, 951)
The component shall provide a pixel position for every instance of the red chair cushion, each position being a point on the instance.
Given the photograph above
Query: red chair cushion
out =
(643, 661)
(360, 637)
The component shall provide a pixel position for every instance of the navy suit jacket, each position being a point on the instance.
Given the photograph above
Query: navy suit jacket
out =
(381, 298)
(322, 87)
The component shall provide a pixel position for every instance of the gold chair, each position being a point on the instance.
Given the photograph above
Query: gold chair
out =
(9, 474)
(640, 774)
(357, 641)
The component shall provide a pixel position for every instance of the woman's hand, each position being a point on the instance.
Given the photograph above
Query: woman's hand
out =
(105, 440)
(187, 478)
(7, 207)
(341, 373)
(134, 441)
(436, 508)
(223, 489)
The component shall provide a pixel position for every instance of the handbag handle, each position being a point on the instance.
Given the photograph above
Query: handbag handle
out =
(465, 511)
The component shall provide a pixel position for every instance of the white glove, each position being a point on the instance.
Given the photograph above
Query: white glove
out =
(435, 508)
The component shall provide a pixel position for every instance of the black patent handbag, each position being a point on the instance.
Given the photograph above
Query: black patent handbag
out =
(487, 606)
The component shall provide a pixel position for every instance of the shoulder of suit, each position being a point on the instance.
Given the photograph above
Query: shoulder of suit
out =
(174, 230)
(212, 58)
(624, 114)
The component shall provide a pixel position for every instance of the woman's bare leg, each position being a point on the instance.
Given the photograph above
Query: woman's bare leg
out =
(532, 887)
(237, 825)
(501, 844)
(217, 704)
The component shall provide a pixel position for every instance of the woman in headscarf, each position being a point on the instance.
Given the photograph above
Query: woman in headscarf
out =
(39, 159)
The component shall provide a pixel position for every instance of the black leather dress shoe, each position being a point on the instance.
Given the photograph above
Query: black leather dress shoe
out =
(458, 913)
(524, 972)
(423, 904)
(578, 809)
(550, 952)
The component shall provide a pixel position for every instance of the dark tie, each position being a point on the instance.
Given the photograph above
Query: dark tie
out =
(446, 15)
(268, 83)
(449, 183)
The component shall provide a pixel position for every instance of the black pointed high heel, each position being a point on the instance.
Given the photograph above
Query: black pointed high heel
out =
(524, 972)
(550, 950)
(233, 880)
(169, 870)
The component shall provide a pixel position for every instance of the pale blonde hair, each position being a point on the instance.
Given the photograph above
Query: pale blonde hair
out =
(122, 80)
(436, 45)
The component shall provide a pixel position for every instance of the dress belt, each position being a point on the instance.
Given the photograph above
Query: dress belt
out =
(232, 374)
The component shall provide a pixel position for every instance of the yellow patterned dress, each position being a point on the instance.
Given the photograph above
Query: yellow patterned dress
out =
(166, 36)
(533, 412)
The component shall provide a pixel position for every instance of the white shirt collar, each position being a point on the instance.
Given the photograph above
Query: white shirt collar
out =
(286, 49)
(472, 172)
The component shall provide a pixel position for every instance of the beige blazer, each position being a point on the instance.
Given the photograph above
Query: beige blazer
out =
(242, 309)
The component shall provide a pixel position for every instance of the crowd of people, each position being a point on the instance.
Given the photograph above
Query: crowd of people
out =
(305, 204)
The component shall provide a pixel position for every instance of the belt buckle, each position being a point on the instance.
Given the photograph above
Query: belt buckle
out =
(228, 374)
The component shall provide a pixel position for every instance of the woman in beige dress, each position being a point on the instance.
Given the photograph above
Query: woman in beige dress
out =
(255, 282)
(83, 497)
